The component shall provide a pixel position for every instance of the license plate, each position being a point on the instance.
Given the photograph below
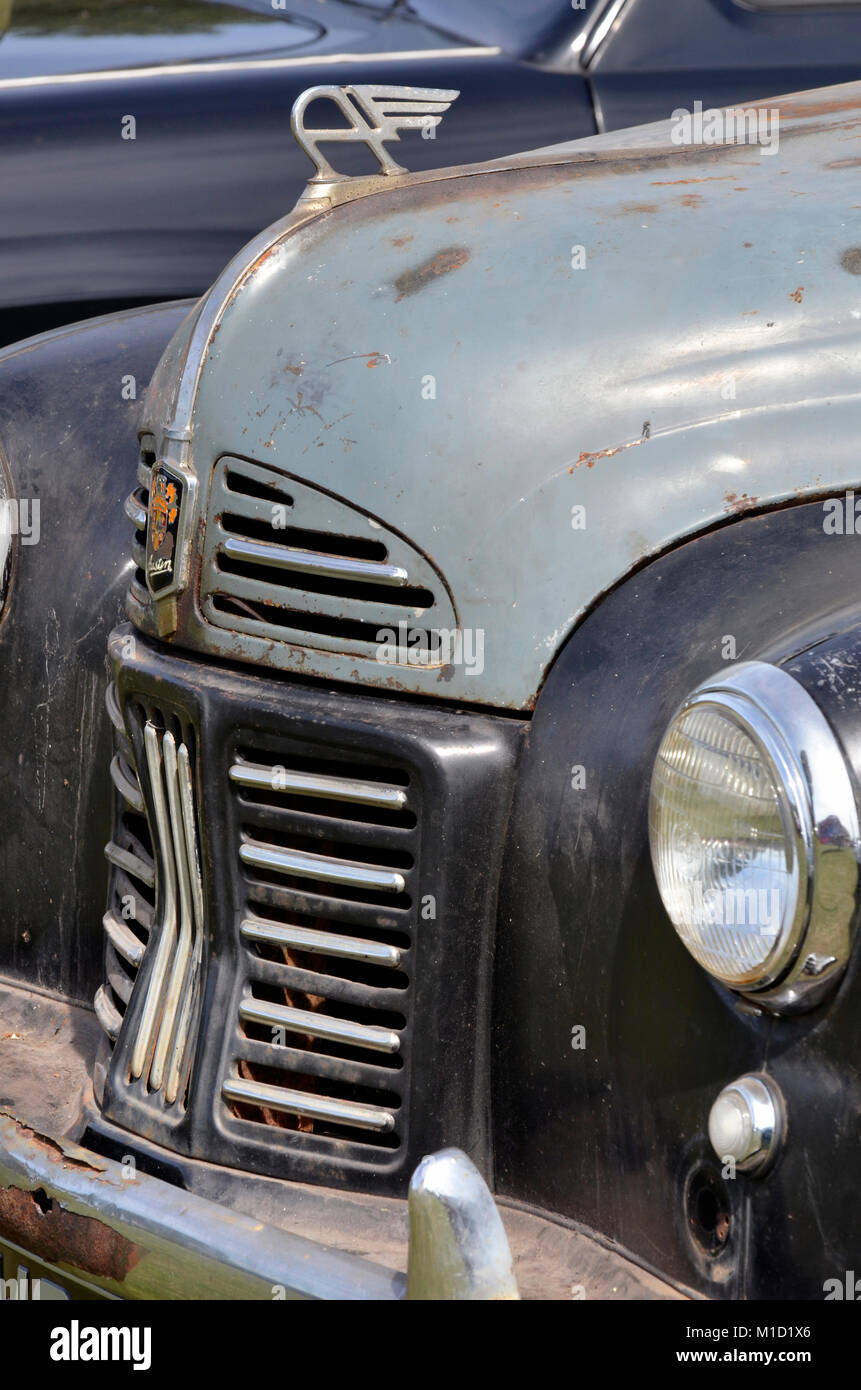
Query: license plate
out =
(24, 1277)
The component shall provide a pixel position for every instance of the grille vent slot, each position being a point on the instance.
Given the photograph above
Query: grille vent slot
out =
(137, 510)
(329, 852)
(284, 560)
(155, 872)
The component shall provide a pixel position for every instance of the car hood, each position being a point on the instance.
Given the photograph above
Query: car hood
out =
(544, 371)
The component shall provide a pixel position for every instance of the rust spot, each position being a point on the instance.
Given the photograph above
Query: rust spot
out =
(691, 200)
(401, 240)
(39, 1223)
(450, 258)
(737, 504)
(798, 294)
(708, 178)
(636, 208)
(851, 259)
(295, 368)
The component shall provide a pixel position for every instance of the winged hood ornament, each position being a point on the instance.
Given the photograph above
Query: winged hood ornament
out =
(374, 117)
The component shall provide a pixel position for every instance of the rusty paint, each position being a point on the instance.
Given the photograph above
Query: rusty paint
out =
(851, 260)
(843, 163)
(40, 1224)
(637, 209)
(400, 240)
(798, 294)
(591, 457)
(691, 200)
(739, 504)
(412, 281)
(707, 178)
(295, 368)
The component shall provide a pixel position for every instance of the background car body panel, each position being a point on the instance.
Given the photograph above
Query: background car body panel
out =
(612, 1133)
(69, 438)
(727, 378)
(92, 222)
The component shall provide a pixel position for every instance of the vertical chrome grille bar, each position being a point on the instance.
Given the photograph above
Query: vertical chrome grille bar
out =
(183, 949)
(167, 885)
(177, 1069)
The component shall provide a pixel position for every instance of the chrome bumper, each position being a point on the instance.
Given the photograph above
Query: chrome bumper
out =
(137, 1237)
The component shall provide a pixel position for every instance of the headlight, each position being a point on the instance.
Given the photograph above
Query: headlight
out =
(754, 835)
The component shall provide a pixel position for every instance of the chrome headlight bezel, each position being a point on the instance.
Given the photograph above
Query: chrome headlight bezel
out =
(821, 821)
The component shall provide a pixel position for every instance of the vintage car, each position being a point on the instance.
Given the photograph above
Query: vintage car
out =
(142, 143)
(430, 830)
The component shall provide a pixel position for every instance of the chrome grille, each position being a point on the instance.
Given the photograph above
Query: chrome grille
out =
(136, 509)
(329, 856)
(131, 891)
(166, 903)
(285, 560)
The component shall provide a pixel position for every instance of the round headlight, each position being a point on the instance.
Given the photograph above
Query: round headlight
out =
(754, 835)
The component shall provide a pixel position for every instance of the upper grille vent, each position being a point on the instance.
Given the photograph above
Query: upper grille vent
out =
(284, 560)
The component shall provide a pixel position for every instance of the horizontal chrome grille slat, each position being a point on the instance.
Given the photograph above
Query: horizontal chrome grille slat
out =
(124, 859)
(144, 474)
(123, 939)
(107, 1013)
(301, 864)
(323, 942)
(126, 784)
(345, 1112)
(319, 1025)
(284, 779)
(300, 605)
(313, 562)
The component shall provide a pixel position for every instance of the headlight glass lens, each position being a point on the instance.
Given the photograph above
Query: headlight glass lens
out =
(723, 844)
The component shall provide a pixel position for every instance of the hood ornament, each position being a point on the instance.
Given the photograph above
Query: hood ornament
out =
(374, 116)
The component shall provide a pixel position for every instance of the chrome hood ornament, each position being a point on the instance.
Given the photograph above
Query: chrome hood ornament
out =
(374, 116)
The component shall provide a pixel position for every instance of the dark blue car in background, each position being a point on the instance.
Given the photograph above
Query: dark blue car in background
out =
(101, 212)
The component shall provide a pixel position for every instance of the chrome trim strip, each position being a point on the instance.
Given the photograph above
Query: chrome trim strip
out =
(123, 939)
(167, 887)
(182, 954)
(145, 471)
(108, 1015)
(179, 1063)
(599, 31)
(320, 784)
(129, 790)
(244, 65)
(326, 943)
(303, 865)
(124, 859)
(314, 1025)
(345, 1112)
(312, 562)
